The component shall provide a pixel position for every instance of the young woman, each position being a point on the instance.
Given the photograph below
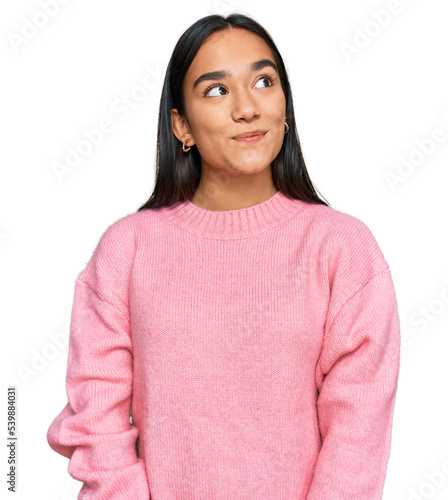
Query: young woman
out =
(250, 329)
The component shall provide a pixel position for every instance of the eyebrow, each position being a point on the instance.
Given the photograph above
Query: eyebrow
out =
(216, 75)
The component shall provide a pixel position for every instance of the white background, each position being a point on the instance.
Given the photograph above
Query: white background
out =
(356, 118)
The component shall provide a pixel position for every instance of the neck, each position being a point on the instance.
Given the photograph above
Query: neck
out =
(222, 201)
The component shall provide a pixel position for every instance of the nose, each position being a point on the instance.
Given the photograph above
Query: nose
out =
(245, 105)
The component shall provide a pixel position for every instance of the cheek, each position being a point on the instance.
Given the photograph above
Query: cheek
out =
(276, 113)
(203, 125)
(281, 109)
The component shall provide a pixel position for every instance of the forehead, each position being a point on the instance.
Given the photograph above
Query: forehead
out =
(233, 49)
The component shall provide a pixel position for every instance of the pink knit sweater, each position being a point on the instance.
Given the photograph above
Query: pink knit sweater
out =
(257, 348)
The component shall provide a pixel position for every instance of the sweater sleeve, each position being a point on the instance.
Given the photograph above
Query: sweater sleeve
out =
(93, 430)
(357, 374)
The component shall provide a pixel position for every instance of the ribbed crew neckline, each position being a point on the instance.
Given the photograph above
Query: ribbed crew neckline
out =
(229, 224)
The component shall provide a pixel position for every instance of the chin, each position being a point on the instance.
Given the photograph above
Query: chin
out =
(252, 167)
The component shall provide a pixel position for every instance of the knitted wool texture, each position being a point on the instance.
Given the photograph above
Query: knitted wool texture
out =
(257, 348)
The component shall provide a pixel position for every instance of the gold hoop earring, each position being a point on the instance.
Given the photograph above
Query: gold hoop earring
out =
(287, 127)
(185, 150)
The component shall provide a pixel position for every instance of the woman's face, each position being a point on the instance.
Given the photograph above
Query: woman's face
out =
(246, 97)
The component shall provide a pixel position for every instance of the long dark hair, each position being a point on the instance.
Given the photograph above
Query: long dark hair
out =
(177, 173)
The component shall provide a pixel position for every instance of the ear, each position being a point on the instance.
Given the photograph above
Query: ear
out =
(180, 127)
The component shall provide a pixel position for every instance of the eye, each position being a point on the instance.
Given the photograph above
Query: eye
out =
(217, 86)
(268, 78)
(213, 87)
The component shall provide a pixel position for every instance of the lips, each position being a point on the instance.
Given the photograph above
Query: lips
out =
(253, 133)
